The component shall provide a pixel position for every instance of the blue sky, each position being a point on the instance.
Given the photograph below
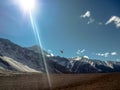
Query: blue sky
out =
(78, 27)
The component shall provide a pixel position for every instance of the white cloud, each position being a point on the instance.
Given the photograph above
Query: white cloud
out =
(115, 20)
(50, 53)
(87, 14)
(91, 20)
(103, 54)
(80, 51)
(107, 54)
(114, 53)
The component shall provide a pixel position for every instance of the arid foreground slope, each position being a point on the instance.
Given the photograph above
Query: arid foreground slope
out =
(109, 81)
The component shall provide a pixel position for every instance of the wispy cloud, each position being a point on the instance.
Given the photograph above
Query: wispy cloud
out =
(80, 51)
(107, 54)
(113, 53)
(115, 20)
(100, 23)
(103, 54)
(91, 20)
(87, 14)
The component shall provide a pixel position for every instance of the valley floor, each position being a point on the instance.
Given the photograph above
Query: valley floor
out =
(96, 81)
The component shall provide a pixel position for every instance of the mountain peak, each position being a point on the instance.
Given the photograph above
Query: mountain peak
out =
(77, 58)
(35, 48)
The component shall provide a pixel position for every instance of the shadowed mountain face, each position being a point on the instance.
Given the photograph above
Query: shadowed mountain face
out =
(16, 58)
(37, 49)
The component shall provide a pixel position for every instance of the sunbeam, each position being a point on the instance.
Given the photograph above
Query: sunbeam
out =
(29, 6)
(37, 36)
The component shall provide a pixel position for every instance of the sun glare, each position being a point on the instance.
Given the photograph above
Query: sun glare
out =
(27, 5)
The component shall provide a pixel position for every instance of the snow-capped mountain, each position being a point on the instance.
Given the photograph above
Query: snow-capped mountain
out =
(16, 58)
(85, 65)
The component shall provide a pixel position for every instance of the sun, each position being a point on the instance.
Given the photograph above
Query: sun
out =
(27, 5)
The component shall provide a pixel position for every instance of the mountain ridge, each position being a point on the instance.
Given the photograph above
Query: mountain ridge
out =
(16, 58)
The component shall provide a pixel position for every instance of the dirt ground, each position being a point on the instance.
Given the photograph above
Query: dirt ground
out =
(96, 81)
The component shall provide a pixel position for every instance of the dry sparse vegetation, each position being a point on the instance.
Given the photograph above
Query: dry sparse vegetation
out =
(108, 81)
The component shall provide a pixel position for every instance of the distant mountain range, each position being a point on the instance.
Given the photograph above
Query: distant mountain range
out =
(14, 58)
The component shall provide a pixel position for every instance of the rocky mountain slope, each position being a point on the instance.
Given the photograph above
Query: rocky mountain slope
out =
(16, 58)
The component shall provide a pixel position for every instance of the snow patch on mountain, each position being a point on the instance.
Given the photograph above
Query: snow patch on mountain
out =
(17, 65)
(109, 64)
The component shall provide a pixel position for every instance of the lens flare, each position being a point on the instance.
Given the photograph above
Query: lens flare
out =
(27, 5)
(37, 36)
